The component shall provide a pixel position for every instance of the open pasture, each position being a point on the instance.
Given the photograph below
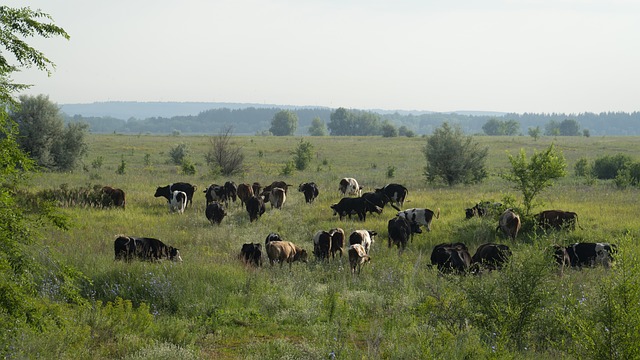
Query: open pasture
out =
(215, 307)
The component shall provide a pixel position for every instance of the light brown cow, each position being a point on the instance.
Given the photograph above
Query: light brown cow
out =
(509, 224)
(357, 257)
(277, 197)
(285, 251)
(244, 192)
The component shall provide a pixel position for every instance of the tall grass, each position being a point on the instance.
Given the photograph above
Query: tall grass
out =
(213, 306)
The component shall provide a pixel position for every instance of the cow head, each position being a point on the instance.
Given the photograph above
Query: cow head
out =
(174, 254)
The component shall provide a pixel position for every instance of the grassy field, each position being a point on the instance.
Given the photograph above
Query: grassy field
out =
(212, 306)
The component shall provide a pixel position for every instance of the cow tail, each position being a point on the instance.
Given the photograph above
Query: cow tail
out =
(438, 213)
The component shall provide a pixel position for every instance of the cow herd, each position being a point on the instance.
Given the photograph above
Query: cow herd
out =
(447, 257)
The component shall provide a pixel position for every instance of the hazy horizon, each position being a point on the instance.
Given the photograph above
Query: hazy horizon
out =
(520, 56)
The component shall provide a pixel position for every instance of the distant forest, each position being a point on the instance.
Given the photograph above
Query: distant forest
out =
(257, 120)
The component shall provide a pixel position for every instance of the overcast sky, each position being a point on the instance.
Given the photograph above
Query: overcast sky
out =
(568, 56)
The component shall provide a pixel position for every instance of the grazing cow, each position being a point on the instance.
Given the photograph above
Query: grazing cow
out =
(215, 192)
(277, 197)
(167, 191)
(561, 255)
(251, 253)
(244, 192)
(112, 197)
(285, 251)
(349, 186)
(395, 192)
(482, 209)
(215, 212)
(231, 190)
(363, 237)
(591, 254)
(310, 191)
(255, 207)
(422, 217)
(400, 231)
(277, 184)
(256, 187)
(322, 244)
(272, 237)
(129, 247)
(509, 223)
(491, 256)
(557, 219)
(451, 258)
(358, 206)
(357, 257)
(337, 241)
(178, 201)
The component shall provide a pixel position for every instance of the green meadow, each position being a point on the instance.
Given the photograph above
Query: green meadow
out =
(213, 306)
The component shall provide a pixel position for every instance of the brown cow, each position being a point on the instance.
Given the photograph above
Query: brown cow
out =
(112, 197)
(357, 257)
(244, 192)
(491, 256)
(509, 224)
(557, 219)
(285, 251)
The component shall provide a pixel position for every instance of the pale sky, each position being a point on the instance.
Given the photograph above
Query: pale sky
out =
(540, 56)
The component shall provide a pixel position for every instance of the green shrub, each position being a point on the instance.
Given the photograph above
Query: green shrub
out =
(188, 167)
(122, 168)
(178, 153)
(607, 167)
(582, 168)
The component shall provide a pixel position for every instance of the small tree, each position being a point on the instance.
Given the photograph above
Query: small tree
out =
(178, 153)
(318, 127)
(388, 130)
(533, 176)
(284, 123)
(535, 132)
(453, 157)
(224, 156)
(44, 136)
(303, 154)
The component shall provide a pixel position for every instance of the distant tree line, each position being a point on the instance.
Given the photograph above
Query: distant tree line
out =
(342, 121)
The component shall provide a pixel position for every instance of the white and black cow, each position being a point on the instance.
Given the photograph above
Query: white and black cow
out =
(350, 186)
(591, 254)
(273, 237)
(395, 192)
(420, 216)
(310, 191)
(363, 237)
(167, 191)
(277, 197)
(178, 202)
(322, 244)
(215, 192)
(215, 212)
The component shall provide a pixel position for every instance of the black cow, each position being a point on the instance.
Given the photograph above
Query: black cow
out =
(129, 247)
(401, 230)
(215, 212)
(310, 191)
(231, 190)
(215, 192)
(166, 191)
(255, 207)
(491, 256)
(482, 209)
(591, 254)
(395, 192)
(251, 253)
(322, 244)
(451, 257)
(337, 241)
(272, 237)
(276, 184)
(358, 206)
